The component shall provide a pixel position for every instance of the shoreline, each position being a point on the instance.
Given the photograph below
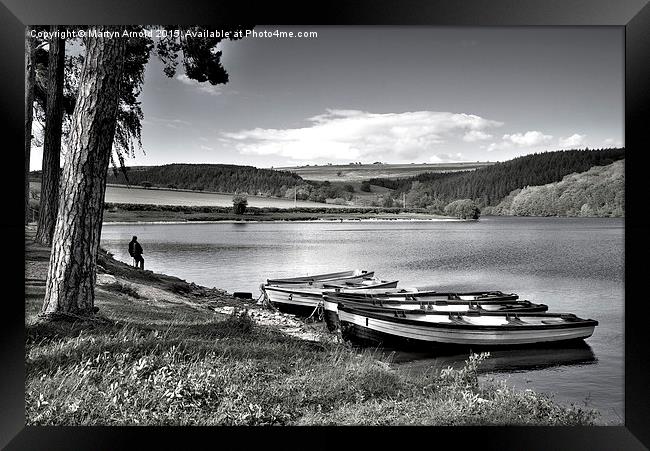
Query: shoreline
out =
(156, 335)
(255, 221)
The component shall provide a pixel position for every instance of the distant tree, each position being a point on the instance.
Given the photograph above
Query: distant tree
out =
(365, 186)
(239, 203)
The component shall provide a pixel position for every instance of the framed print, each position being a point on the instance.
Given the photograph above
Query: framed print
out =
(342, 219)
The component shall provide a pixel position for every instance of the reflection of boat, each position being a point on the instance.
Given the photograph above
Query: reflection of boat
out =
(306, 298)
(470, 328)
(432, 301)
(355, 275)
(501, 360)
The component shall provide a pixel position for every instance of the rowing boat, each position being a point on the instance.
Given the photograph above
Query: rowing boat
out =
(355, 275)
(304, 299)
(469, 328)
(489, 301)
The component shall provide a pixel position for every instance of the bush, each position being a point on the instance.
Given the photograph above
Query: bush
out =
(463, 209)
(239, 203)
(365, 186)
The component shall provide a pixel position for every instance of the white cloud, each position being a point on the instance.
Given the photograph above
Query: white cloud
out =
(528, 139)
(446, 158)
(573, 142)
(203, 147)
(476, 135)
(206, 87)
(166, 122)
(358, 135)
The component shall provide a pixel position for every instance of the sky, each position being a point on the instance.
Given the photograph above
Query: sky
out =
(390, 94)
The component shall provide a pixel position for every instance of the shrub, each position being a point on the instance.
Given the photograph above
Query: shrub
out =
(239, 203)
(365, 186)
(463, 209)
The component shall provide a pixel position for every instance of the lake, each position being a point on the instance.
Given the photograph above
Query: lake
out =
(571, 264)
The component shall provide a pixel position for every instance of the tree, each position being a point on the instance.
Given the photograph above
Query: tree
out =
(463, 209)
(72, 269)
(71, 275)
(239, 204)
(52, 141)
(29, 110)
(365, 186)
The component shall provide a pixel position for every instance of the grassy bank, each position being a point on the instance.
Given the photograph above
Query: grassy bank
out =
(157, 353)
(161, 213)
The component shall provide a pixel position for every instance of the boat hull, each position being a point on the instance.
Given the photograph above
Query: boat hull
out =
(367, 326)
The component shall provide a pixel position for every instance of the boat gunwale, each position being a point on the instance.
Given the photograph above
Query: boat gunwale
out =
(376, 314)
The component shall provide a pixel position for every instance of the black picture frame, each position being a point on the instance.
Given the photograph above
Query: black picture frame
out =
(634, 15)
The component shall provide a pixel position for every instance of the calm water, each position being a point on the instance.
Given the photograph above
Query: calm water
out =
(572, 264)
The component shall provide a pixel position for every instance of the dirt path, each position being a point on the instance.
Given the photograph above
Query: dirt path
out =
(121, 290)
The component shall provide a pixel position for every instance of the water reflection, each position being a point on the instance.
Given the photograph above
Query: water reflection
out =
(500, 360)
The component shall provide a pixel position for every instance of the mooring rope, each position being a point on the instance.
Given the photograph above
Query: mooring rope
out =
(320, 309)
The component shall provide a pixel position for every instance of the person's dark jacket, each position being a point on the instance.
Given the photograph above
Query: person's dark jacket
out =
(135, 248)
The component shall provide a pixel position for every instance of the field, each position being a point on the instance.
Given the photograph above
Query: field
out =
(152, 196)
(358, 172)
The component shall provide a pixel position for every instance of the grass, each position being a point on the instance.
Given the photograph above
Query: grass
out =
(162, 363)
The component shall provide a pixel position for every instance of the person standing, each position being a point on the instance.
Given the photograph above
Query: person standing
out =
(135, 250)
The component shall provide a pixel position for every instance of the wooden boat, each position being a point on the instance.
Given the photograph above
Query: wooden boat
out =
(489, 301)
(303, 299)
(471, 328)
(355, 275)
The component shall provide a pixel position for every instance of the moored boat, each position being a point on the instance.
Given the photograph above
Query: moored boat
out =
(304, 299)
(471, 328)
(489, 301)
(355, 275)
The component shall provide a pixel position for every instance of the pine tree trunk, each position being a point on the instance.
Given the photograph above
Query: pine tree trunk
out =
(71, 275)
(52, 142)
(29, 111)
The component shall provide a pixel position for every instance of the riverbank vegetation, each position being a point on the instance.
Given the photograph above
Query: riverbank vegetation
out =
(598, 192)
(165, 357)
(154, 213)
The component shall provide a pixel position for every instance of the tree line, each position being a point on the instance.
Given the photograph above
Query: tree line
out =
(489, 185)
(210, 177)
(598, 192)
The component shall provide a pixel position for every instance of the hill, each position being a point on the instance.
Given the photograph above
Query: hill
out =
(223, 178)
(354, 172)
(598, 192)
(489, 185)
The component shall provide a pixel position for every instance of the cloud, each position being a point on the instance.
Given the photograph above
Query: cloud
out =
(476, 135)
(203, 147)
(573, 142)
(528, 139)
(206, 87)
(346, 135)
(446, 158)
(166, 122)
(532, 138)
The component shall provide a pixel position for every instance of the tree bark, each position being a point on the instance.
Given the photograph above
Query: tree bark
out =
(52, 142)
(71, 275)
(29, 111)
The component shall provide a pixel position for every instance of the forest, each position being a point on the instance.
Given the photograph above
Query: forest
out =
(598, 192)
(489, 185)
(210, 177)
